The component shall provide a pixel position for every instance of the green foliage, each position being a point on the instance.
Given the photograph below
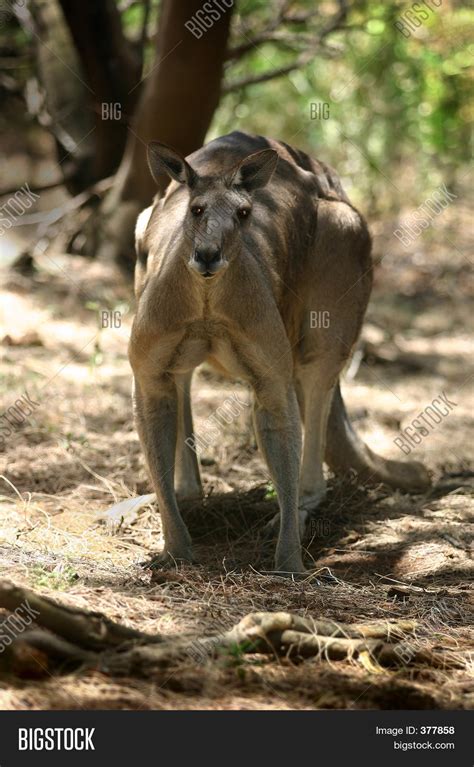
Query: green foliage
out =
(235, 653)
(270, 493)
(399, 108)
(60, 577)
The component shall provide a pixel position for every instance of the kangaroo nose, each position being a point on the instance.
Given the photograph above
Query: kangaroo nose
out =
(207, 256)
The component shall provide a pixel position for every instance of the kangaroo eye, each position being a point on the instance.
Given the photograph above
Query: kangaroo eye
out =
(243, 212)
(197, 210)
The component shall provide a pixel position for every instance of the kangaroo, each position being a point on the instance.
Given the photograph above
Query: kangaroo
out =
(251, 237)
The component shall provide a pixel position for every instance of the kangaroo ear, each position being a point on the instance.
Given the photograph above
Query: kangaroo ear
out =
(164, 159)
(255, 170)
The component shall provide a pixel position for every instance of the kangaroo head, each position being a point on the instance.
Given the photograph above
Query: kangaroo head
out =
(219, 208)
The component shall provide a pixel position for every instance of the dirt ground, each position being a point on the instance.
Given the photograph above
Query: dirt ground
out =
(78, 454)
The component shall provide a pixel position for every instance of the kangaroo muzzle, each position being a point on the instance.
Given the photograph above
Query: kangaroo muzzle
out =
(207, 260)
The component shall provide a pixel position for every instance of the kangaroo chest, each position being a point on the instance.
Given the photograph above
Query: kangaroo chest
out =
(209, 341)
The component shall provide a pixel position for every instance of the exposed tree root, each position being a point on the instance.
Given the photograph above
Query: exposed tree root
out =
(71, 638)
(89, 630)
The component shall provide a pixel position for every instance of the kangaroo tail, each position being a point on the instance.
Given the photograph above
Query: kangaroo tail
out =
(345, 450)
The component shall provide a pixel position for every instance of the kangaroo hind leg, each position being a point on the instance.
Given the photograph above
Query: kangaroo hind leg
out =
(317, 388)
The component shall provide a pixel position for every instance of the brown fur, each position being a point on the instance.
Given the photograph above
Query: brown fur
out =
(278, 240)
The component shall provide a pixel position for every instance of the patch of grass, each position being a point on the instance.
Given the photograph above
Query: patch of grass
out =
(61, 577)
(271, 493)
(236, 653)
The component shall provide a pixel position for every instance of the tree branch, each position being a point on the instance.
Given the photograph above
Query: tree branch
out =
(313, 42)
(243, 82)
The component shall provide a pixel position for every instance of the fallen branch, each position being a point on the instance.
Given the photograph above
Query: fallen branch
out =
(48, 217)
(37, 187)
(91, 640)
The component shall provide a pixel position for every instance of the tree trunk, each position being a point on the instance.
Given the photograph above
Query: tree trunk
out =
(88, 70)
(176, 106)
(111, 68)
(66, 93)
